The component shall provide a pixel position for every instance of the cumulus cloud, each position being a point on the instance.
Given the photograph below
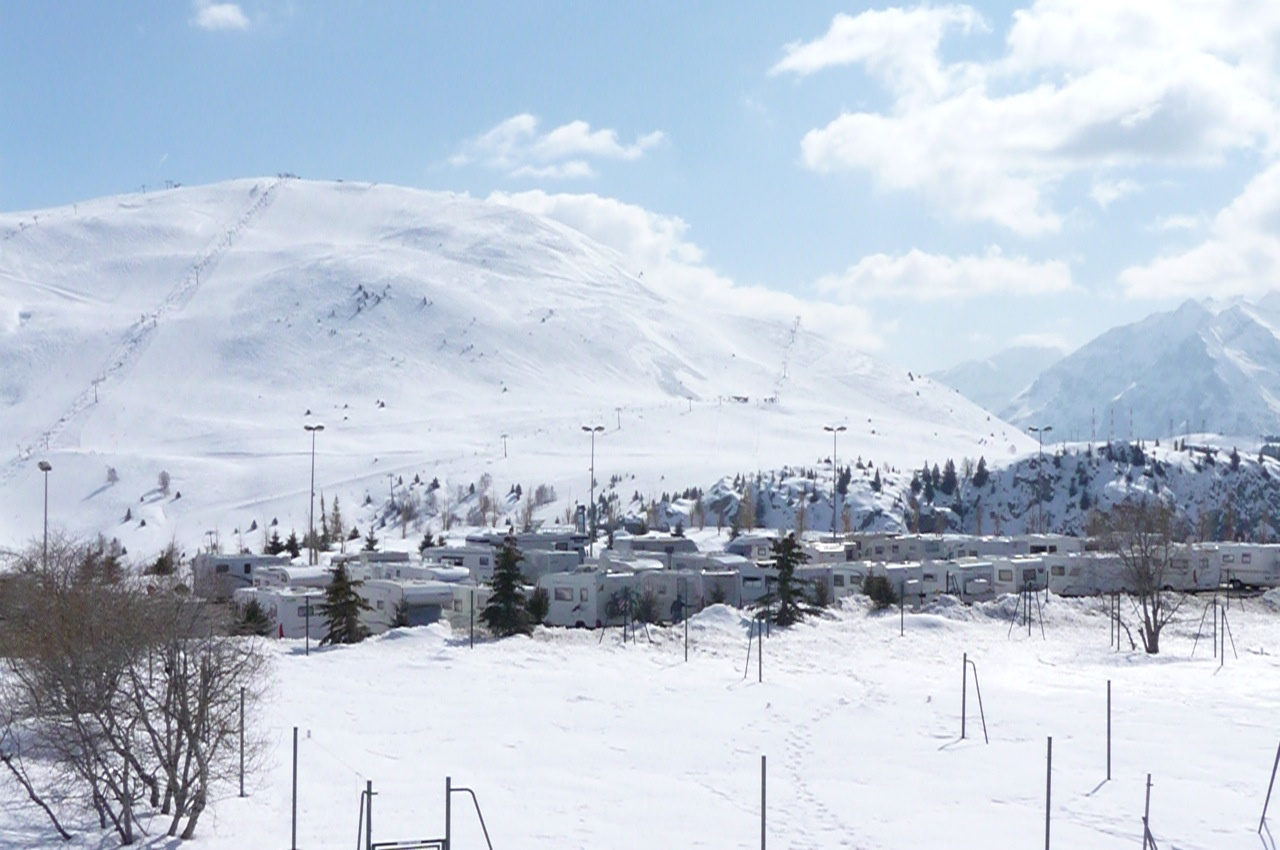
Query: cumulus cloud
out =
(1240, 255)
(1106, 192)
(517, 147)
(930, 277)
(658, 246)
(219, 16)
(1079, 87)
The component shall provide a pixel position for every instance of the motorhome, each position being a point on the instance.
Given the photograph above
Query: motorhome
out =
(217, 576)
(292, 575)
(294, 612)
(403, 602)
(1016, 574)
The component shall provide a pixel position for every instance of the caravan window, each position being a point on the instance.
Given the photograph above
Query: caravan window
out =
(1204, 563)
(220, 568)
(247, 568)
(564, 594)
(457, 604)
(302, 611)
(1228, 559)
(583, 594)
(484, 560)
(879, 550)
(380, 605)
(1005, 575)
(1057, 571)
(838, 579)
(1246, 558)
(750, 581)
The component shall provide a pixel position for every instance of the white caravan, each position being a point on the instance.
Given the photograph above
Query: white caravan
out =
(1014, 575)
(291, 610)
(415, 602)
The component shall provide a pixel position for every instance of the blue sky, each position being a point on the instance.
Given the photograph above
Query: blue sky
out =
(934, 183)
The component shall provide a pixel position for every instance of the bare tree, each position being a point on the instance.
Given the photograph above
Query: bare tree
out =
(1143, 534)
(134, 697)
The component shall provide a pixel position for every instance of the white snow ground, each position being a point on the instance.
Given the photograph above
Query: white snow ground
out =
(571, 741)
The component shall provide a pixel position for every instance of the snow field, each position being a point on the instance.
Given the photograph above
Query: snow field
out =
(574, 741)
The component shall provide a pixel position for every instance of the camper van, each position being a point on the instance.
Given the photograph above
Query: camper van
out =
(1016, 574)
(293, 612)
(413, 602)
(217, 577)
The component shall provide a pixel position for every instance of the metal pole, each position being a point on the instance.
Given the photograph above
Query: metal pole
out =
(448, 813)
(763, 777)
(293, 841)
(46, 518)
(964, 691)
(1146, 817)
(1108, 730)
(686, 632)
(1270, 785)
(1215, 629)
(472, 637)
(759, 656)
(242, 742)
(1048, 791)
(311, 515)
(307, 607)
(368, 819)
(902, 616)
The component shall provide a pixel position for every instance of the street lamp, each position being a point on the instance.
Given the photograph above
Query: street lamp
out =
(593, 430)
(44, 467)
(1040, 432)
(834, 429)
(313, 557)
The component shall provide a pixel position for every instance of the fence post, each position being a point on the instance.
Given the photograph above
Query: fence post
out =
(964, 691)
(1108, 730)
(684, 615)
(1270, 785)
(759, 655)
(241, 741)
(1048, 791)
(368, 804)
(293, 840)
(472, 639)
(763, 775)
(1146, 817)
(448, 813)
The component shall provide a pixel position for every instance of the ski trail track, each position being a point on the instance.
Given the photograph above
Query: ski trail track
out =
(139, 335)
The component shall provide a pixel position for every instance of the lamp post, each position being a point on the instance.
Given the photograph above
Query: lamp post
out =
(1040, 432)
(44, 467)
(312, 558)
(835, 430)
(592, 430)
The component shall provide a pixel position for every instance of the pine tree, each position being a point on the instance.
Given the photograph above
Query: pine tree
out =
(341, 609)
(274, 544)
(876, 484)
(507, 612)
(251, 620)
(949, 479)
(292, 546)
(370, 541)
(981, 476)
(789, 602)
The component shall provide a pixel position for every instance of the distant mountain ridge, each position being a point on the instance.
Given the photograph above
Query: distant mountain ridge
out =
(992, 382)
(1208, 366)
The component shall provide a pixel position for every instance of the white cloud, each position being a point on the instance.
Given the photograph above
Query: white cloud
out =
(930, 277)
(219, 16)
(518, 148)
(1041, 340)
(1106, 192)
(1239, 256)
(1080, 86)
(657, 246)
(1177, 222)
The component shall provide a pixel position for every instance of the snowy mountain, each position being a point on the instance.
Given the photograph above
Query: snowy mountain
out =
(1206, 367)
(193, 332)
(995, 381)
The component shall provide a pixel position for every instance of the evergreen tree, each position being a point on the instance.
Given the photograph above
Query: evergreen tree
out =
(876, 484)
(370, 542)
(928, 489)
(507, 612)
(341, 609)
(981, 476)
(325, 539)
(789, 601)
(949, 479)
(292, 546)
(251, 620)
(336, 528)
(274, 544)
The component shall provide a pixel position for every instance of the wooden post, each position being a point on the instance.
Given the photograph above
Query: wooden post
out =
(242, 742)
(368, 804)
(964, 691)
(1108, 730)
(293, 841)
(1269, 787)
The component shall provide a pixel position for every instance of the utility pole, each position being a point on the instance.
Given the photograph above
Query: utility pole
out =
(835, 472)
(593, 430)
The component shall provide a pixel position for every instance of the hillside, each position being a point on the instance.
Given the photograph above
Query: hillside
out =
(1206, 367)
(194, 331)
